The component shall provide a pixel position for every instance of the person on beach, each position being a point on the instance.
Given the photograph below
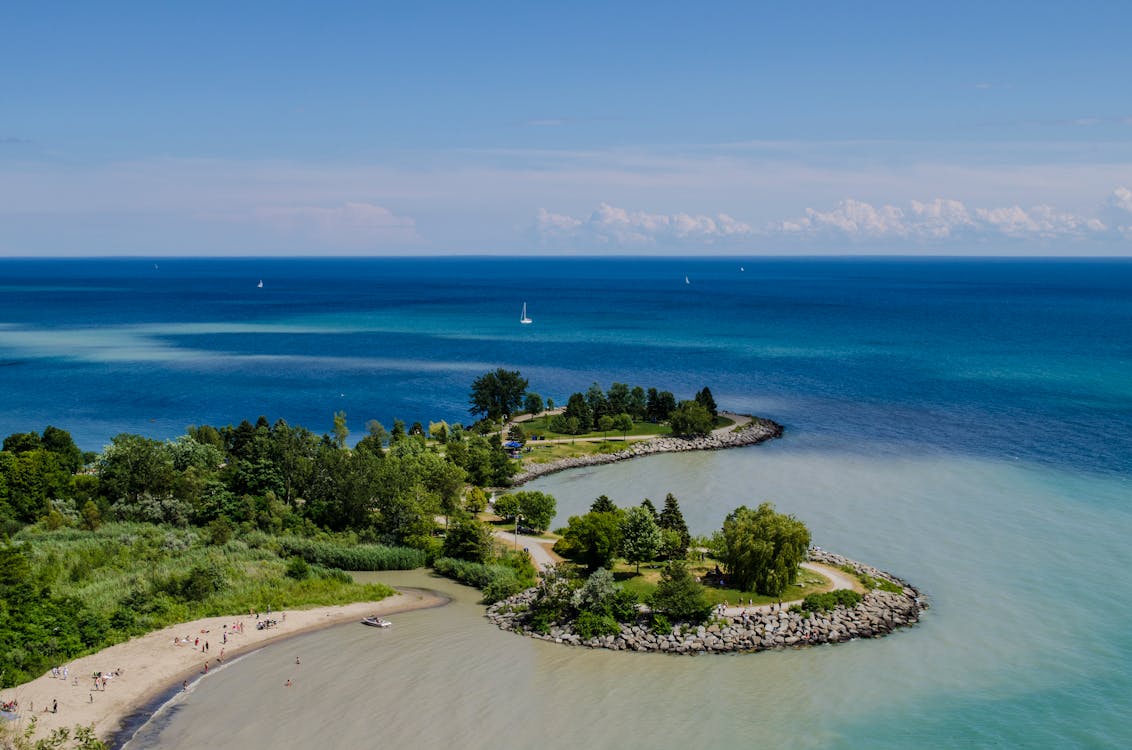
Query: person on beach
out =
(206, 667)
(287, 683)
(54, 706)
(296, 660)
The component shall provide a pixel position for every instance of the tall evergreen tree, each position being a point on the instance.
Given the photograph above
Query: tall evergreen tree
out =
(705, 399)
(647, 505)
(603, 505)
(671, 518)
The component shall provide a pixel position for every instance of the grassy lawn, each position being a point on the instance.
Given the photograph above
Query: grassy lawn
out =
(723, 422)
(545, 453)
(541, 426)
(644, 584)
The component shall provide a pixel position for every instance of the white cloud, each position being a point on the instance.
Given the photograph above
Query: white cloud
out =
(610, 225)
(1118, 208)
(942, 219)
(348, 224)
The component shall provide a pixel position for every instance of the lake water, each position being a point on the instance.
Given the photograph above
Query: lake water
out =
(964, 424)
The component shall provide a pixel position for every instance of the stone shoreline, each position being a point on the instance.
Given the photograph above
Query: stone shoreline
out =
(756, 431)
(760, 628)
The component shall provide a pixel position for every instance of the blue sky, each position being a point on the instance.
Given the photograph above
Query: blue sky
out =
(608, 128)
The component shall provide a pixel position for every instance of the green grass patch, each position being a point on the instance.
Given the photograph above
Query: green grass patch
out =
(544, 453)
(541, 426)
(644, 584)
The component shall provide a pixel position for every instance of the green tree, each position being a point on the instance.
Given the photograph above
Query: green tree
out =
(536, 508)
(532, 404)
(132, 466)
(603, 505)
(60, 443)
(508, 506)
(617, 397)
(515, 434)
(672, 519)
(497, 394)
(647, 505)
(638, 403)
(679, 596)
(690, 418)
(592, 539)
(438, 431)
(468, 539)
(640, 536)
(623, 423)
(341, 432)
(659, 405)
(578, 408)
(22, 442)
(475, 500)
(605, 424)
(595, 399)
(705, 399)
(761, 549)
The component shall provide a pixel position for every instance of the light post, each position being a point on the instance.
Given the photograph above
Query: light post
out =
(518, 517)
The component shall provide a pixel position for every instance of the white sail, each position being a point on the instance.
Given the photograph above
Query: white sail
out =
(524, 319)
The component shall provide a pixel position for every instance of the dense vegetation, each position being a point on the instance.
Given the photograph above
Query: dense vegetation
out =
(621, 407)
(66, 592)
(97, 548)
(759, 551)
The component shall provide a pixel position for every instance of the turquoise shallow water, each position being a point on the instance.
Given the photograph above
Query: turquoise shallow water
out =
(964, 424)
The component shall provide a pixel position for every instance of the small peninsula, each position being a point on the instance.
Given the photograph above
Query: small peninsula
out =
(878, 612)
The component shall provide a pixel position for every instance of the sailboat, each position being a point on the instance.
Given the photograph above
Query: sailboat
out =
(524, 319)
(259, 285)
(687, 280)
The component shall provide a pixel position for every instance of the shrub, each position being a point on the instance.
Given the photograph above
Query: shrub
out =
(590, 625)
(679, 595)
(830, 600)
(298, 569)
(495, 581)
(660, 624)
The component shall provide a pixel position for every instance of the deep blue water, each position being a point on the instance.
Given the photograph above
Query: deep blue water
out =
(964, 423)
(1030, 359)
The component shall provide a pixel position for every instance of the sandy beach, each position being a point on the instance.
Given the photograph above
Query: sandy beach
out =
(142, 668)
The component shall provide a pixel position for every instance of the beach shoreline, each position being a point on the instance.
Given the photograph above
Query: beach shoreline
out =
(148, 667)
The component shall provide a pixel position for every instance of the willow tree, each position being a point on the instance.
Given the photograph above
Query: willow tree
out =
(761, 549)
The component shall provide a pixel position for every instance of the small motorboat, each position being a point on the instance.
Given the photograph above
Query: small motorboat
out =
(376, 622)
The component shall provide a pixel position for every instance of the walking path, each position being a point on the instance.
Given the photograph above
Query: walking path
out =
(540, 549)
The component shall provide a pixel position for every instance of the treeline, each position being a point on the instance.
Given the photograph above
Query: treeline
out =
(273, 477)
(620, 406)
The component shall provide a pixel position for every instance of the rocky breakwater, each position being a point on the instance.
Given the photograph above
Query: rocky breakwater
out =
(742, 629)
(756, 431)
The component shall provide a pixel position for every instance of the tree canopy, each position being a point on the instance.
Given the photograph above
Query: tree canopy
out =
(497, 394)
(761, 549)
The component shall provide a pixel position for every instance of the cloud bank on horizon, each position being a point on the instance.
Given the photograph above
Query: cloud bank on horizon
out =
(919, 226)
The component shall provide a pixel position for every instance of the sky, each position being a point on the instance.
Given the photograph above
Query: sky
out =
(716, 128)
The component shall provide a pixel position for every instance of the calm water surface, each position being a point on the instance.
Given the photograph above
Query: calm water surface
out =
(965, 424)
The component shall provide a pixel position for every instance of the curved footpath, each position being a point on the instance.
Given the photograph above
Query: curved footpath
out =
(148, 666)
(746, 431)
(746, 628)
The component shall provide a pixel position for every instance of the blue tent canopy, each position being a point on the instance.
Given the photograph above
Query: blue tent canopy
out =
(512, 444)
